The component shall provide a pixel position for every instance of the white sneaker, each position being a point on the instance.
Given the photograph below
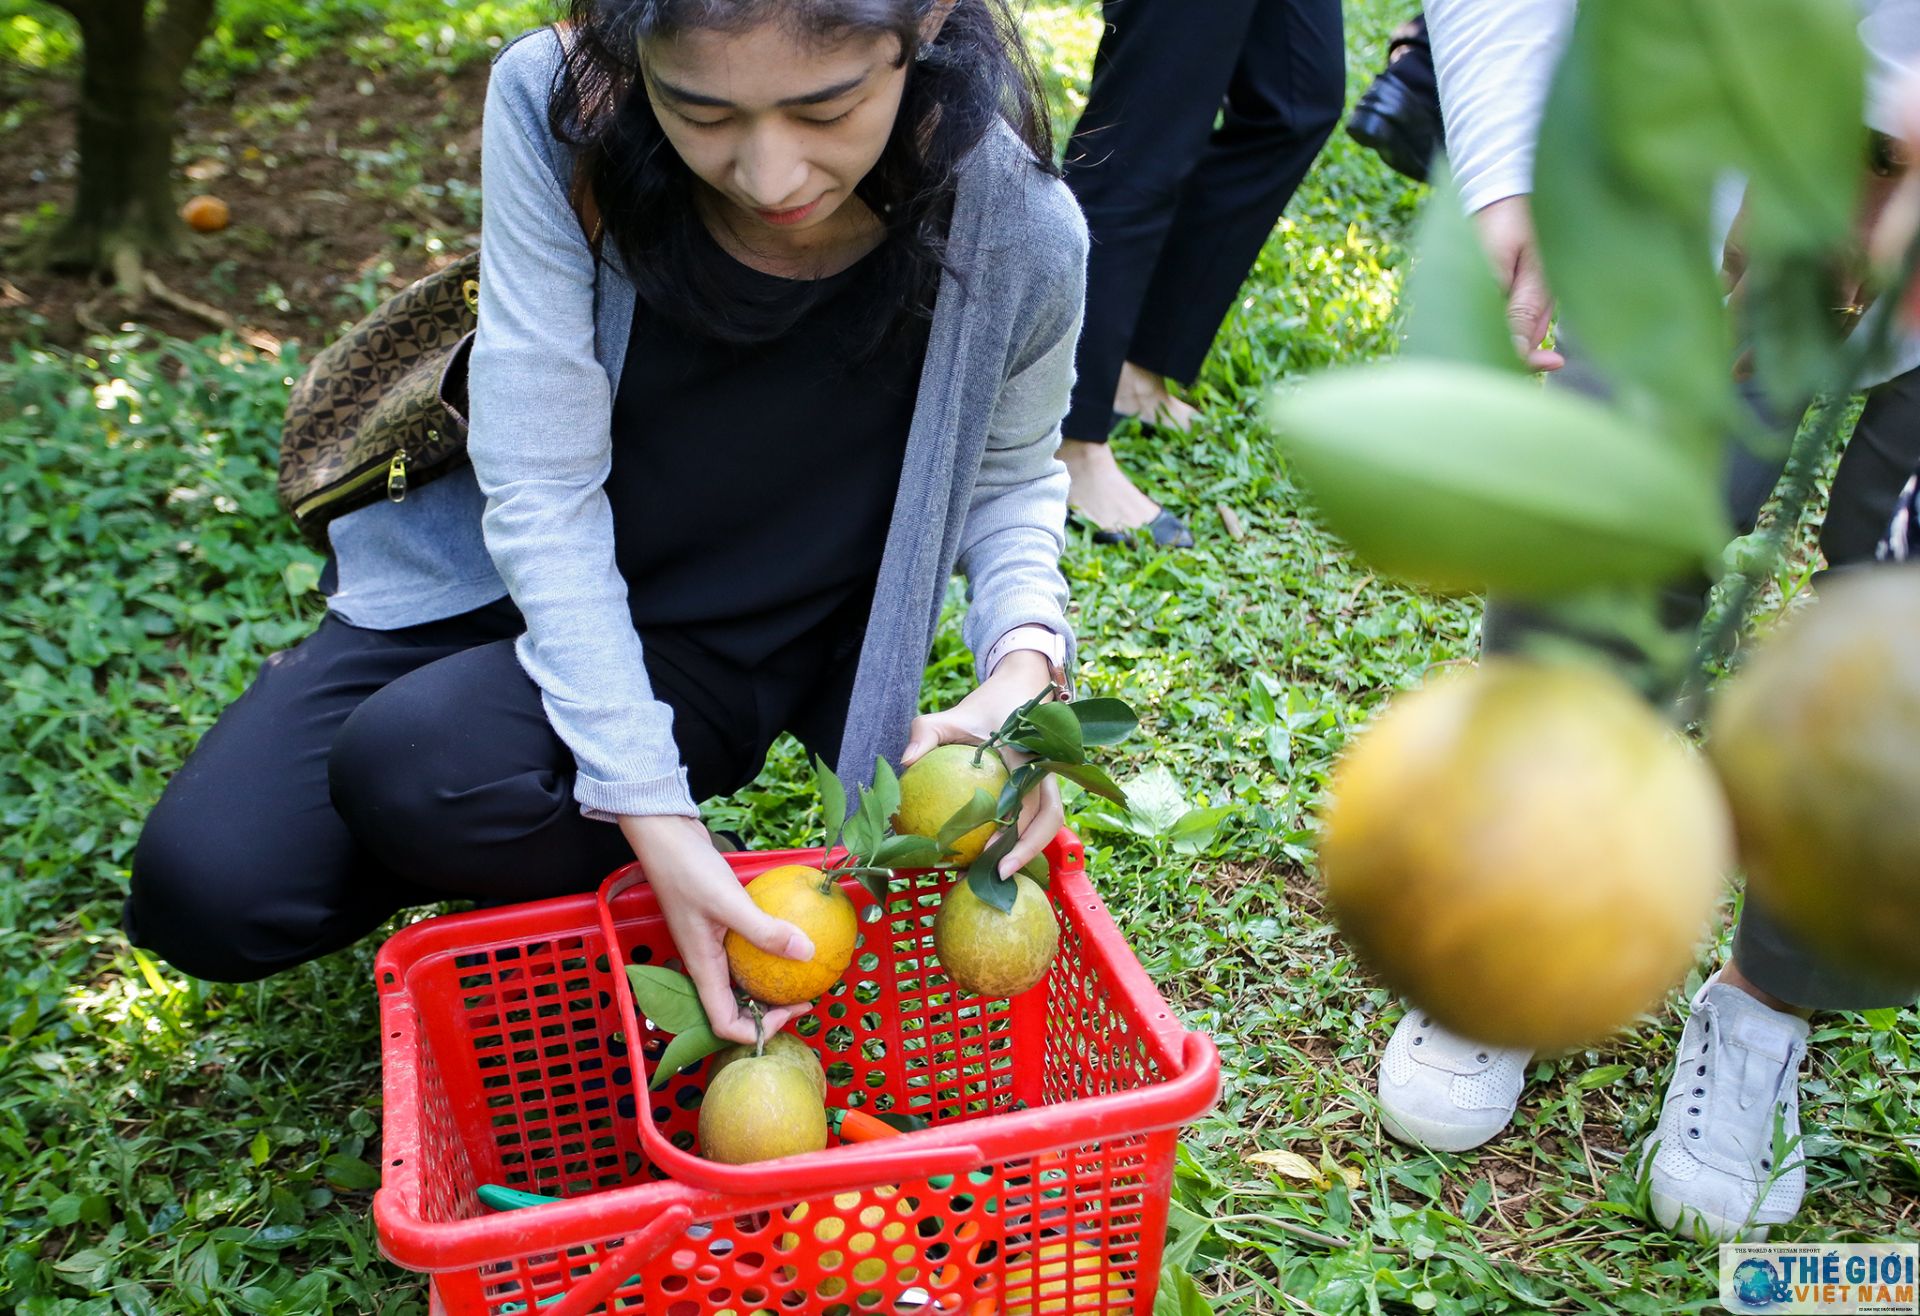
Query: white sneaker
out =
(1714, 1171)
(1440, 1090)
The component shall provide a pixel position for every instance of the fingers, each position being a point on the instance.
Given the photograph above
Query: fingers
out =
(1040, 821)
(1529, 313)
(707, 966)
(923, 734)
(773, 935)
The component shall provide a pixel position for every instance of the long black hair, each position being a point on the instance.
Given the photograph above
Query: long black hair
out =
(976, 73)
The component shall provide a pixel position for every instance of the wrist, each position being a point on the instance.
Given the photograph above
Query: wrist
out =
(1022, 669)
(655, 831)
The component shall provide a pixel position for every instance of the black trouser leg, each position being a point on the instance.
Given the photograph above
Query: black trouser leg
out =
(361, 756)
(1282, 104)
(244, 868)
(453, 775)
(1160, 73)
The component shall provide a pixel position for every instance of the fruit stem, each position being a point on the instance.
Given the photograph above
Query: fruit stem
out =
(1812, 449)
(759, 1028)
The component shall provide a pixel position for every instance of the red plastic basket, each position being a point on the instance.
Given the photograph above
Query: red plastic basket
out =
(1041, 1188)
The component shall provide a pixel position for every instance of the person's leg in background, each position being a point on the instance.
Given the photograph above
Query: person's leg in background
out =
(1282, 104)
(1710, 1169)
(1159, 76)
(244, 868)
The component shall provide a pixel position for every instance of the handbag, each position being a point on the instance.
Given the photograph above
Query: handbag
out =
(383, 408)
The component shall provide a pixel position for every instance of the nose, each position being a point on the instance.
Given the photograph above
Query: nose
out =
(770, 170)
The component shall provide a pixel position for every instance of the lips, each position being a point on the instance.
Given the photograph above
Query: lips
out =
(793, 216)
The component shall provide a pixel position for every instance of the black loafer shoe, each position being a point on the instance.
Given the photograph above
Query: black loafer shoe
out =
(1398, 126)
(1398, 117)
(1168, 531)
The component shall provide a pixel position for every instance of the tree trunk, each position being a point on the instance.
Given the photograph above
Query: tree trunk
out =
(130, 83)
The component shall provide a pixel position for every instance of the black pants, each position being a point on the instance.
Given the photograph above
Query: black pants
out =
(1879, 457)
(1179, 207)
(366, 771)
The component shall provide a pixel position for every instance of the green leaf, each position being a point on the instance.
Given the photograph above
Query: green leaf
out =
(1020, 781)
(908, 852)
(1598, 1077)
(1104, 721)
(886, 790)
(984, 875)
(669, 999)
(1037, 869)
(976, 812)
(868, 826)
(875, 880)
(1196, 828)
(350, 1172)
(1088, 776)
(259, 1149)
(1636, 281)
(1052, 732)
(1690, 89)
(696, 1044)
(1156, 800)
(1179, 1296)
(833, 797)
(1455, 309)
(1461, 478)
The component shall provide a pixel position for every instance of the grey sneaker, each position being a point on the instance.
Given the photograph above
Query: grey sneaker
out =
(1716, 1169)
(1440, 1090)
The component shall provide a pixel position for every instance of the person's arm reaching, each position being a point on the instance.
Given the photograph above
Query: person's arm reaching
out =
(1494, 60)
(541, 448)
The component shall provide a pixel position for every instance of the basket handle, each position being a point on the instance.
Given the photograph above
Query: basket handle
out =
(623, 1265)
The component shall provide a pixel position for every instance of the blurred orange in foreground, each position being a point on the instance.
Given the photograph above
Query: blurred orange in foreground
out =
(1818, 741)
(1525, 852)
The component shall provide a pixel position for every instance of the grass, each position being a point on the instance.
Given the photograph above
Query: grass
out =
(167, 1146)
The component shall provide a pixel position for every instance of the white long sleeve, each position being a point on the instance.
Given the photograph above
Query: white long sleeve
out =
(1494, 60)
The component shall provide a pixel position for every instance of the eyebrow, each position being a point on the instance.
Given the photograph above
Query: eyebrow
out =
(825, 94)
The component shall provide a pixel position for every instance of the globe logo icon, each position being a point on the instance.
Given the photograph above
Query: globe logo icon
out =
(1756, 1284)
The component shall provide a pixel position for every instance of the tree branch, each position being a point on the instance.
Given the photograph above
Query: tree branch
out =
(175, 33)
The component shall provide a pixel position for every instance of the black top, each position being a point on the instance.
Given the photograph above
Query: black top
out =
(752, 485)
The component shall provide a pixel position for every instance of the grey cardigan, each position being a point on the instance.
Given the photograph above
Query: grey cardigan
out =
(980, 488)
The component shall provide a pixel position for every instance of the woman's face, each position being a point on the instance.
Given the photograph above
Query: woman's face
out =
(780, 128)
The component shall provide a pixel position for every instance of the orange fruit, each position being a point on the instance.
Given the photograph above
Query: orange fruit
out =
(206, 214)
(816, 905)
(1815, 740)
(1526, 852)
(759, 1108)
(781, 1046)
(938, 783)
(988, 953)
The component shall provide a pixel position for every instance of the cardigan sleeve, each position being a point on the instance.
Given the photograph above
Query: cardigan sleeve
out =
(541, 448)
(1015, 528)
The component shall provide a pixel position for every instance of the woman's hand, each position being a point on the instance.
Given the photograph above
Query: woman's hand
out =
(701, 899)
(1506, 232)
(1020, 676)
